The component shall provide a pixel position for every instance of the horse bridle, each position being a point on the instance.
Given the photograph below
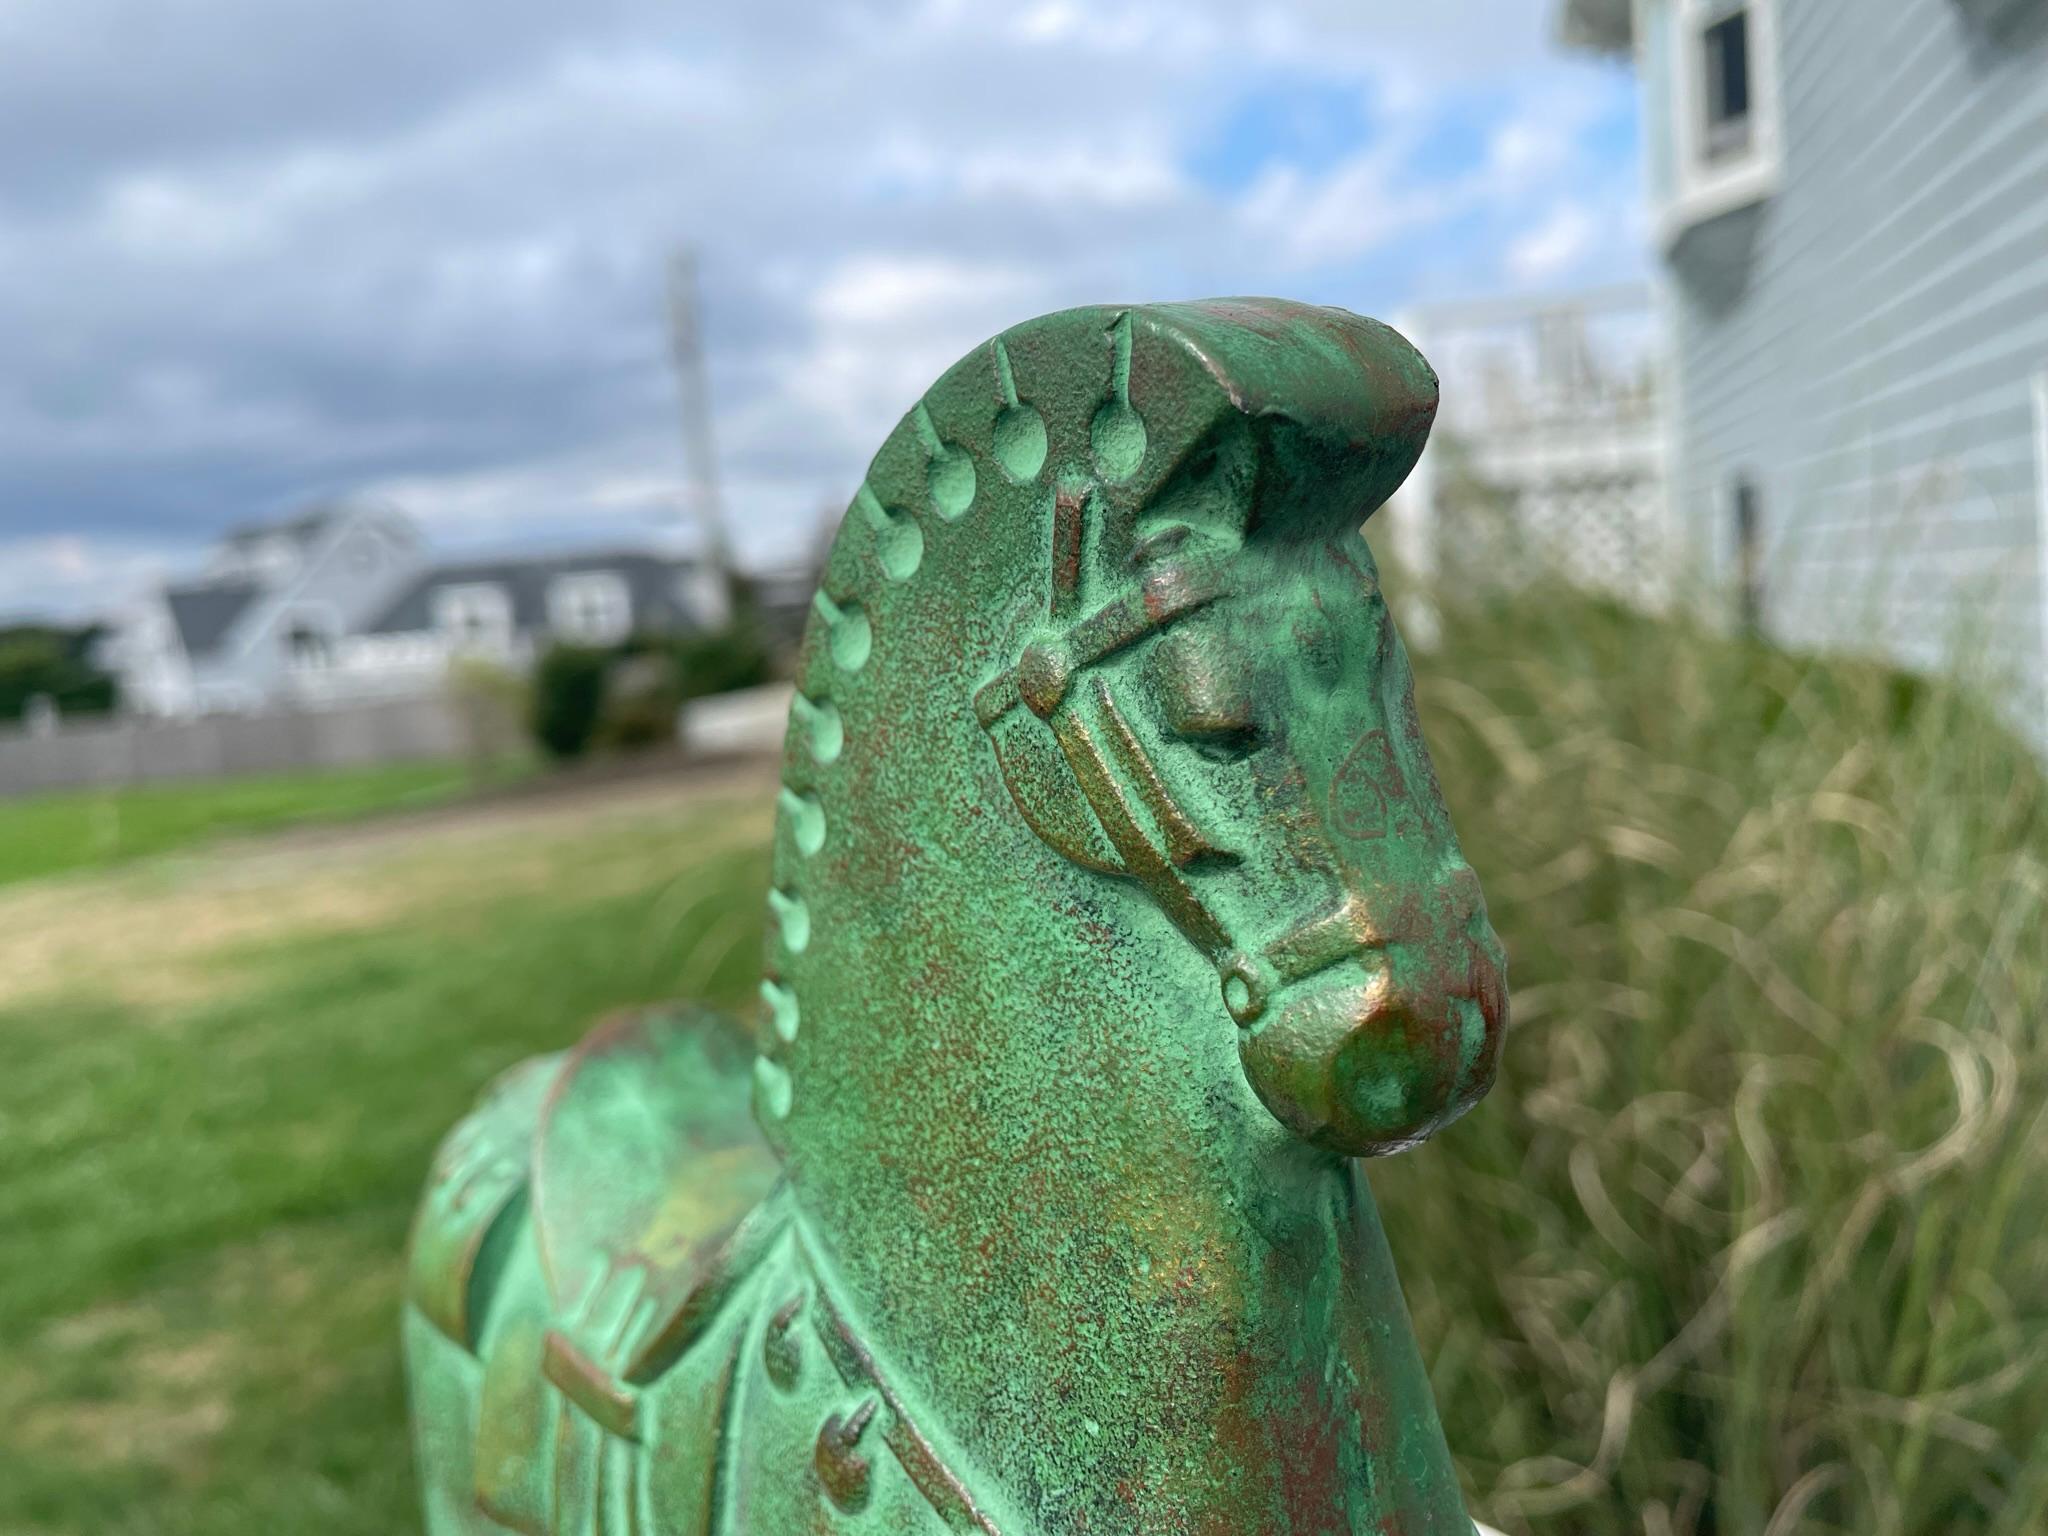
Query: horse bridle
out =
(1056, 680)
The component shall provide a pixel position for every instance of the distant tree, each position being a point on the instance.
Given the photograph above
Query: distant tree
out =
(640, 698)
(625, 697)
(53, 662)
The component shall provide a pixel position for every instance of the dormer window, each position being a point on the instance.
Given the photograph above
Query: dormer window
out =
(1712, 74)
(475, 616)
(590, 607)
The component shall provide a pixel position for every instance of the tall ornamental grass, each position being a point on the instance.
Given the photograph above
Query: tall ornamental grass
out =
(1752, 1237)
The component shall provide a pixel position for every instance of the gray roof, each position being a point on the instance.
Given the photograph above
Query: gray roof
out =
(206, 611)
(302, 528)
(1601, 26)
(650, 579)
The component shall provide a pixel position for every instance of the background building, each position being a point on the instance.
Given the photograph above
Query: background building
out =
(345, 605)
(1851, 204)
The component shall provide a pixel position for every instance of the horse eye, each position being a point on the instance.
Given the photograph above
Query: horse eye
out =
(1205, 695)
(1211, 716)
(1156, 546)
(1231, 744)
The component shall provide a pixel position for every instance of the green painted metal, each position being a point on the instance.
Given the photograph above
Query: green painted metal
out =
(1116, 911)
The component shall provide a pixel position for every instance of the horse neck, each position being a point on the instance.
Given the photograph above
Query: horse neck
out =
(1020, 1140)
(1033, 1164)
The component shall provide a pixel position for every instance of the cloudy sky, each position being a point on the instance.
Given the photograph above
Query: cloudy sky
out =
(255, 253)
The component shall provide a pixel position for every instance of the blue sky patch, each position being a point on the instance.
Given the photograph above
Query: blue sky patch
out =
(1295, 120)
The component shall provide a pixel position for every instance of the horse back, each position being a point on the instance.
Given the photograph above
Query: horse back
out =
(585, 1240)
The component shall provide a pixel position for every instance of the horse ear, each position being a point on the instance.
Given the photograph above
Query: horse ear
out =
(1340, 405)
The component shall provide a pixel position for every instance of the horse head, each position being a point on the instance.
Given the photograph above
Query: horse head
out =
(1229, 722)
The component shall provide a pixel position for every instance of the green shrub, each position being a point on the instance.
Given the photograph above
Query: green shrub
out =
(722, 661)
(625, 697)
(1752, 1238)
(568, 699)
(641, 699)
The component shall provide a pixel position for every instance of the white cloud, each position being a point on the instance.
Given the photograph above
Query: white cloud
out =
(1550, 250)
(1071, 171)
(1534, 144)
(890, 292)
(1360, 205)
(1119, 176)
(65, 574)
(884, 327)
(1052, 21)
(377, 248)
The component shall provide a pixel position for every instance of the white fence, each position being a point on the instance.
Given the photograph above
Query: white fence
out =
(105, 753)
(1549, 447)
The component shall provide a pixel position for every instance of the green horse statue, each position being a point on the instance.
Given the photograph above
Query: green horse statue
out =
(1116, 913)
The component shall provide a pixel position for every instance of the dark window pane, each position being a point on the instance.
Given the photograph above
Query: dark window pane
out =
(1727, 50)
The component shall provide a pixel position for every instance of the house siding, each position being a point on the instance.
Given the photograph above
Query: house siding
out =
(1863, 345)
(349, 573)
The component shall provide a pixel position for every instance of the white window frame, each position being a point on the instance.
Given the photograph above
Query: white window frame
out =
(591, 607)
(475, 616)
(1703, 185)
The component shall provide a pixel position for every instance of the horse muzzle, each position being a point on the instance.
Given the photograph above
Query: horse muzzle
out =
(1367, 1049)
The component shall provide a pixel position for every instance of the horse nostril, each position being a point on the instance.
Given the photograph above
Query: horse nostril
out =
(1247, 983)
(1237, 996)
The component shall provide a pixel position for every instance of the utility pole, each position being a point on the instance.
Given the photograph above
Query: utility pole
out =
(702, 504)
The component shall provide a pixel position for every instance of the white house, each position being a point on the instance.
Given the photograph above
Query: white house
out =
(344, 604)
(1851, 206)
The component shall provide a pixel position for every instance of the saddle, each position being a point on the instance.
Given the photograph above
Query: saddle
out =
(581, 1275)
(586, 1284)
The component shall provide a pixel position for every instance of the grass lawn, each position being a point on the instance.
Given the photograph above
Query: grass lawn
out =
(220, 1082)
(89, 829)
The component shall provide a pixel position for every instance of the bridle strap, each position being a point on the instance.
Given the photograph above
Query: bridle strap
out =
(1149, 865)
(1115, 772)
(1164, 597)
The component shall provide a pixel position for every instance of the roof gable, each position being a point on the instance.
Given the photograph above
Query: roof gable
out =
(205, 612)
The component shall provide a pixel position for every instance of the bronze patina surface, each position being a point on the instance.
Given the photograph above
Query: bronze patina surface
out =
(1116, 911)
